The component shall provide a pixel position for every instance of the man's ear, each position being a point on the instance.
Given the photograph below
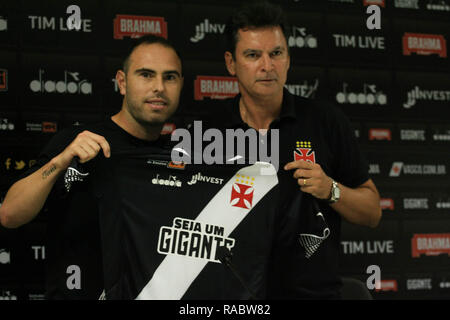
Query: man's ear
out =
(229, 62)
(121, 82)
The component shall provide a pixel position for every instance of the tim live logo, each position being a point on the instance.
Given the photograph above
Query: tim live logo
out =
(215, 87)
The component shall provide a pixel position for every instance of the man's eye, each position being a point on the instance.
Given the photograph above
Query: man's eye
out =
(170, 77)
(276, 53)
(251, 55)
(146, 74)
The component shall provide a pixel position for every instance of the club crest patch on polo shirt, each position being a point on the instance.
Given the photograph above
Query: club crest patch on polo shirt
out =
(303, 151)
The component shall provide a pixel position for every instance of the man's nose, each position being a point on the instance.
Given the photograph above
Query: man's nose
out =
(267, 63)
(158, 84)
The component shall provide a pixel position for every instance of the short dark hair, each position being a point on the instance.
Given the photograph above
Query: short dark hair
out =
(254, 15)
(147, 39)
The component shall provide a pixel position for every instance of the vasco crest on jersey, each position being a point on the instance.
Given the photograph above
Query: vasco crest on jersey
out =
(303, 151)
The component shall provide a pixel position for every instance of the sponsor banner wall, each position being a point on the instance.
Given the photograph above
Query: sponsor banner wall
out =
(392, 83)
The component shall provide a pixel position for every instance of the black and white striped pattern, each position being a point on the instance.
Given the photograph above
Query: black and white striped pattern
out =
(311, 242)
(73, 175)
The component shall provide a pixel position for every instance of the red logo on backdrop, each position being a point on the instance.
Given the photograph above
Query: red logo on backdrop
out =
(375, 2)
(137, 26)
(380, 134)
(387, 203)
(424, 44)
(242, 196)
(215, 87)
(431, 244)
(388, 285)
(49, 126)
(3, 80)
(168, 128)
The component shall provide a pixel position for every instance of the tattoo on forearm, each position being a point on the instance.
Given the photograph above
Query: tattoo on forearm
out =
(48, 172)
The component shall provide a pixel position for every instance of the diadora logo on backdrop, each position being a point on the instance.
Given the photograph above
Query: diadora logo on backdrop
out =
(438, 5)
(242, 192)
(71, 84)
(57, 23)
(418, 94)
(417, 169)
(431, 244)
(424, 44)
(5, 256)
(370, 95)
(206, 27)
(301, 39)
(137, 26)
(215, 87)
(306, 90)
(3, 24)
(195, 239)
(6, 125)
(3, 80)
(358, 41)
(171, 181)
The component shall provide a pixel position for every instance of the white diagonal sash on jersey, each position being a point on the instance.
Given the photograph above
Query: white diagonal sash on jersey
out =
(175, 274)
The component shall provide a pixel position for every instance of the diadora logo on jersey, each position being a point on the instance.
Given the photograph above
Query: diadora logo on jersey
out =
(242, 192)
(199, 177)
(137, 26)
(193, 239)
(170, 182)
(304, 152)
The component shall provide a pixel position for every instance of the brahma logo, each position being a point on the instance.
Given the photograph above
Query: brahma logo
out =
(387, 203)
(374, 2)
(137, 26)
(242, 194)
(3, 80)
(304, 152)
(431, 244)
(424, 44)
(168, 128)
(215, 87)
(388, 285)
(380, 134)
